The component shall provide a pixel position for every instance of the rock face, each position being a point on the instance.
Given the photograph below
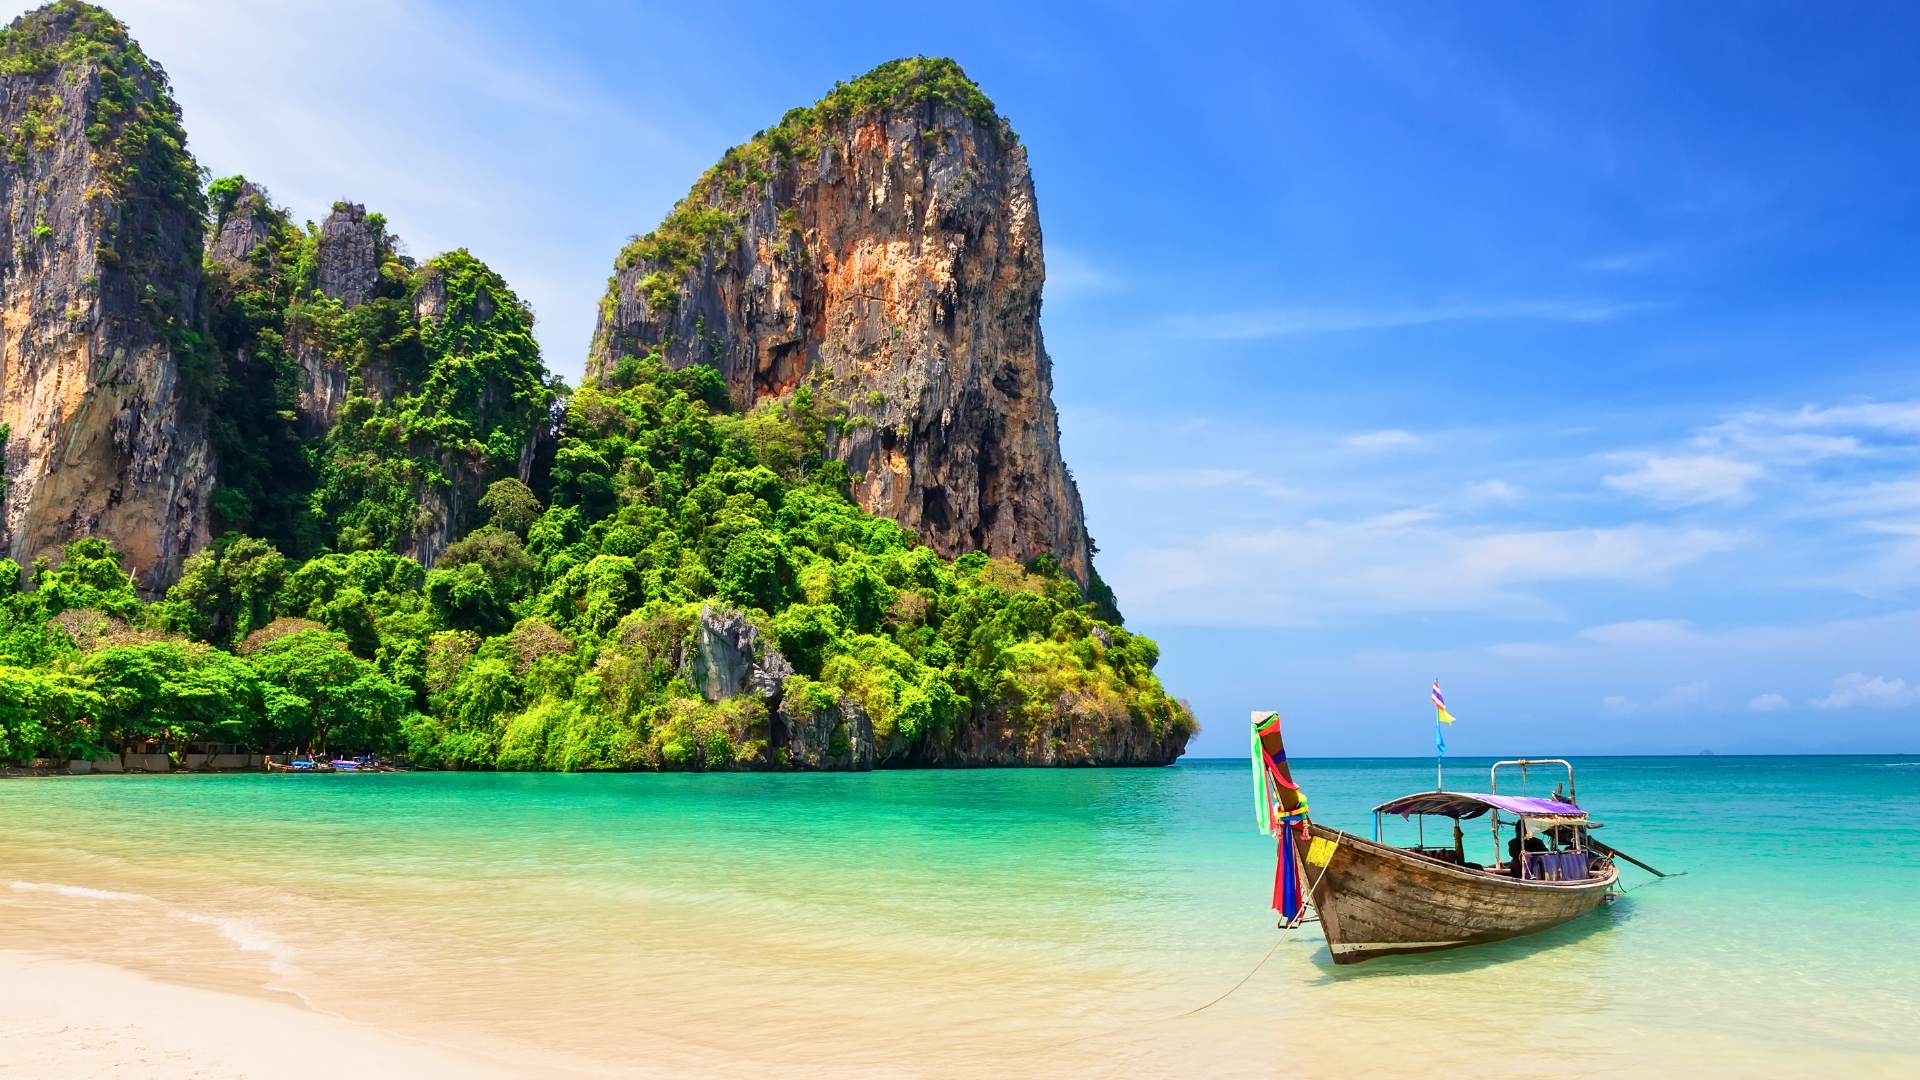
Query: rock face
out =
(99, 299)
(244, 228)
(829, 738)
(730, 658)
(890, 256)
(347, 268)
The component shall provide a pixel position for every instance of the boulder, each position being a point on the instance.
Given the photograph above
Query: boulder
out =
(730, 657)
(828, 738)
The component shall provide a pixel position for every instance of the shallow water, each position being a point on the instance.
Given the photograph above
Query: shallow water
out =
(1022, 923)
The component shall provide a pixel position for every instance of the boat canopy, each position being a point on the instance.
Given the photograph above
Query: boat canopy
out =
(1466, 805)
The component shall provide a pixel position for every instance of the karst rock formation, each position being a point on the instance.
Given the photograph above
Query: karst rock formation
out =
(102, 237)
(884, 248)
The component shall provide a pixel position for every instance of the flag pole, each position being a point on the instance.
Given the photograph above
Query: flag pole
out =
(1439, 746)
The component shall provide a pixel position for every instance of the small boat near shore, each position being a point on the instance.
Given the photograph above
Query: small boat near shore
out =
(335, 765)
(1374, 899)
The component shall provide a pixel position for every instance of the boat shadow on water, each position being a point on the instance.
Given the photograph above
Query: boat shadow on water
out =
(1598, 925)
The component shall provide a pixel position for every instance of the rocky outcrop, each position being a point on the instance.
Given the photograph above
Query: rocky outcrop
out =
(246, 226)
(347, 268)
(101, 229)
(834, 737)
(891, 257)
(730, 657)
(347, 259)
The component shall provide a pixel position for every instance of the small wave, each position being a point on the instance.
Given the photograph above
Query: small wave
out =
(249, 936)
(78, 890)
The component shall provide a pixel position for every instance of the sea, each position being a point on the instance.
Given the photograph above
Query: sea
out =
(994, 923)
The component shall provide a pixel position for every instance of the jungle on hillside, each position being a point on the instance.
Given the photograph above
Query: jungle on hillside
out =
(555, 622)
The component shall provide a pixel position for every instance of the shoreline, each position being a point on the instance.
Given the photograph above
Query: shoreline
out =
(62, 1017)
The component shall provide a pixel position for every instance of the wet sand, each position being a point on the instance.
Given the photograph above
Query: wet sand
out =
(62, 1018)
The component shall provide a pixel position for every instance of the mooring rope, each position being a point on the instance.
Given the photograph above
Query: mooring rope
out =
(1295, 921)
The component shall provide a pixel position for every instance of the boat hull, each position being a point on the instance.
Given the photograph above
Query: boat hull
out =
(1374, 900)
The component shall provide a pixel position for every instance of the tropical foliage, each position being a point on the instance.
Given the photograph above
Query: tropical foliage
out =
(572, 539)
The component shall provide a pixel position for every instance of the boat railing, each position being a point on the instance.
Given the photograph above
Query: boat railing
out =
(1493, 778)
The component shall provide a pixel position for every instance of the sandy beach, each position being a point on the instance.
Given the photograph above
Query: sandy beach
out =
(66, 1018)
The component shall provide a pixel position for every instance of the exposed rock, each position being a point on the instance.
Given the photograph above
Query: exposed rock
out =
(730, 658)
(99, 291)
(347, 268)
(244, 228)
(430, 296)
(836, 737)
(896, 261)
(347, 259)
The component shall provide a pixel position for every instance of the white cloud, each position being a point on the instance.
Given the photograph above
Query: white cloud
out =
(1769, 703)
(1688, 480)
(1382, 440)
(1405, 561)
(1615, 703)
(1878, 692)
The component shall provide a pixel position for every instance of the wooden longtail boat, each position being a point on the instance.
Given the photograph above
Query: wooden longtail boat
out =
(1374, 899)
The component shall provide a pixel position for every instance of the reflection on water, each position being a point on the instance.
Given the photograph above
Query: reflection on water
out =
(1027, 923)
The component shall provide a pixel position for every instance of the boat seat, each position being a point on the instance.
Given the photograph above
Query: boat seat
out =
(1557, 866)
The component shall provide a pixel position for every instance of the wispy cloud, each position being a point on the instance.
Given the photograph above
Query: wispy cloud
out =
(1769, 703)
(1685, 481)
(1407, 561)
(1680, 697)
(1627, 262)
(1498, 491)
(1069, 273)
(1389, 439)
(1296, 321)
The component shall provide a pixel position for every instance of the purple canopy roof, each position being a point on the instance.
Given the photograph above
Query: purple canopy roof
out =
(1468, 805)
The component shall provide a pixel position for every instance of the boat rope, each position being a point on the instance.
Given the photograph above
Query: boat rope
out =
(1291, 923)
(1275, 947)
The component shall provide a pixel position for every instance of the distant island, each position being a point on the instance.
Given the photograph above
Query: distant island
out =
(276, 486)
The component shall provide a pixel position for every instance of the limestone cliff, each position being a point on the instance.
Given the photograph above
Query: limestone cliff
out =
(883, 246)
(101, 228)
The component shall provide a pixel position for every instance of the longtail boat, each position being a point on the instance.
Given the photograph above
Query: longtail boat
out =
(1374, 899)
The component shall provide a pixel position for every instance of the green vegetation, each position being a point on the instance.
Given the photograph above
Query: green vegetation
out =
(552, 635)
(574, 535)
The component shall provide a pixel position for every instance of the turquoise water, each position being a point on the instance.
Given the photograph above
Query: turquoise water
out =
(1029, 922)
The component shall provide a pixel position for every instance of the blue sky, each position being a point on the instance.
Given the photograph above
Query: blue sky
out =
(1566, 353)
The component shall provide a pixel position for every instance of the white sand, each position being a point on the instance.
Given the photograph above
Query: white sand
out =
(62, 1017)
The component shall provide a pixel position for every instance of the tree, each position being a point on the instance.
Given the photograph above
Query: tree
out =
(172, 691)
(345, 698)
(88, 576)
(476, 581)
(513, 506)
(225, 591)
